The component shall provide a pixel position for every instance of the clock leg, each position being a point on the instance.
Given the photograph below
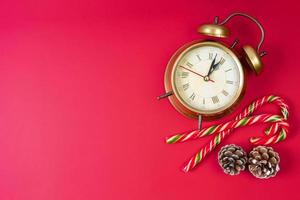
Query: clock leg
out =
(199, 122)
(165, 95)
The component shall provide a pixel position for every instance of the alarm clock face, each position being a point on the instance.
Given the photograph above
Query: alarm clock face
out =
(207, 78)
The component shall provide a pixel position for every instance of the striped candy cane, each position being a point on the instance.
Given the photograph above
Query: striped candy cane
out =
(274, 134)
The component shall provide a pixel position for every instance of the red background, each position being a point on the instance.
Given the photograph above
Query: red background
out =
(78, 114)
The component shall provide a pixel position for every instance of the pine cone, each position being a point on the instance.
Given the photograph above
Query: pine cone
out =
(232, 159)
(263, 162)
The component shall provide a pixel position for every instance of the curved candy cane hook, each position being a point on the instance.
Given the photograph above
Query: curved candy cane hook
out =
(274, 134)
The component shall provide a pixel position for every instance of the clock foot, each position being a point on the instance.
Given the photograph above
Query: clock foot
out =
(165, 95)
(199, 122)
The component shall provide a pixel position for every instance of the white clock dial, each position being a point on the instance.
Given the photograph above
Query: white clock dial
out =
(203, 91)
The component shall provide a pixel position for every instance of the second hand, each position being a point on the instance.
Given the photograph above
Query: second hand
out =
(195, 73)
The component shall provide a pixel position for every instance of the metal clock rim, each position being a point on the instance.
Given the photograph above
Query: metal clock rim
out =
(169, 81)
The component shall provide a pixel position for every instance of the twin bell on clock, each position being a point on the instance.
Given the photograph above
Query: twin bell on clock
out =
(205, 79)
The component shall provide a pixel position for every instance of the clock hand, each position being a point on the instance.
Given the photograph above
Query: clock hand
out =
(211, 66)
(195, 73)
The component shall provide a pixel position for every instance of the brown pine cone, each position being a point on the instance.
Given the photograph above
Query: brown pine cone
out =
(263, 162)
(232, 159)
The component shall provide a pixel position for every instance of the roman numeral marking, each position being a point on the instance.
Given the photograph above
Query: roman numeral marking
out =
(189, 64)
(215, 99)
(185, 86)
(222, 60)
(203, 101)
(198, 57)
(210, 56)
(229, 82)
(225, 92)
(228, 70)
(192, 96)
(184, 74)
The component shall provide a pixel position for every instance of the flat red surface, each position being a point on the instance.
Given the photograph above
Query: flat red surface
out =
(78, 114)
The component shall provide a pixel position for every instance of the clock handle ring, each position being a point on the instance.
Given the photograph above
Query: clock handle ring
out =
(253, 20)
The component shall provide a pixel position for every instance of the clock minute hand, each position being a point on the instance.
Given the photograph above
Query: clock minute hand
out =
(211, 66)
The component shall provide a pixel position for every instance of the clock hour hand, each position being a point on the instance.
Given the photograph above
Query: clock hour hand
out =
(214, 67)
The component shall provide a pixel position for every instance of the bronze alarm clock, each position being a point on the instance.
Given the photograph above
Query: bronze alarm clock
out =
(205, 79)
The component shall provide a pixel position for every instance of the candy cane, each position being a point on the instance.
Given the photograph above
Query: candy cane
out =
(274, 134)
